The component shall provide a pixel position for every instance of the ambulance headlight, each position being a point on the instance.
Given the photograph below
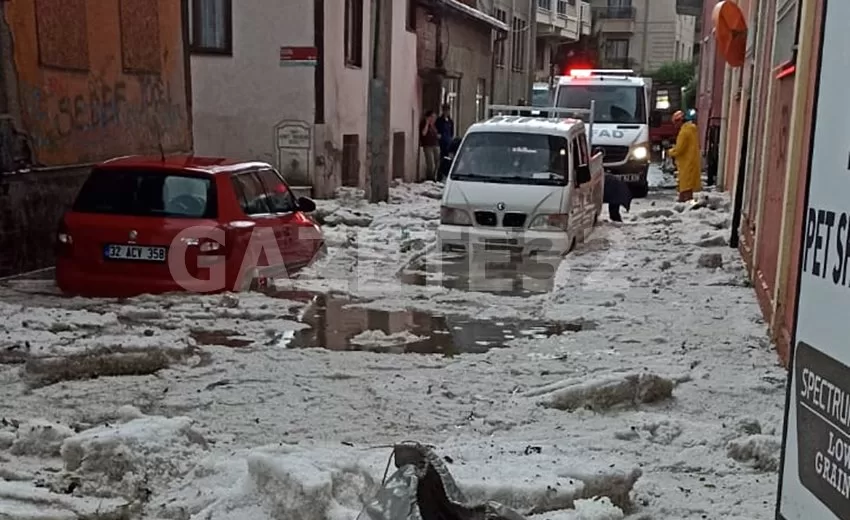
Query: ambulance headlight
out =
(640, 152)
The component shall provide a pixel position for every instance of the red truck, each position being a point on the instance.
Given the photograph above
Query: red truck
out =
(666, 98)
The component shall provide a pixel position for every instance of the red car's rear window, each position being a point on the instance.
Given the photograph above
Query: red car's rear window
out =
(143, 193)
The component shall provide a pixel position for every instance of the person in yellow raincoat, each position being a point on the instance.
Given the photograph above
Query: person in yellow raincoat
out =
(686, 154)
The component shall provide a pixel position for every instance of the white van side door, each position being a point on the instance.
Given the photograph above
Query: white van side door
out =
(574, 195)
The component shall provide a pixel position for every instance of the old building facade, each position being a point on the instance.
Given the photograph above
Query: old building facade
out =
(81, 81)
(560, 23)
(455, 59)
(643, 34)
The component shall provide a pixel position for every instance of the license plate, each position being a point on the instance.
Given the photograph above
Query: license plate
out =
(630, 178)
(500, 244)
(134, 253)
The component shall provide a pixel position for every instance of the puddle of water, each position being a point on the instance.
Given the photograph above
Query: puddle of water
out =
(494, 274)
(336, 322)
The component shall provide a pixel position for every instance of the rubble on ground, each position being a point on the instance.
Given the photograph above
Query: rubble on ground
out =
(602, 393)
(760, 451)
(710, 260)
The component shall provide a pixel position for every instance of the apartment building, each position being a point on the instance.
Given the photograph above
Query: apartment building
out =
(559, 23)
(644, 34)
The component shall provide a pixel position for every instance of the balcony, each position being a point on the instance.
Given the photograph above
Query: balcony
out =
(615, 19)
(689, 7)
(557, 19)
(618, 62)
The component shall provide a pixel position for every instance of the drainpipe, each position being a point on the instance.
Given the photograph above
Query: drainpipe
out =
(509, 53)
(804, 52)
(724, 128)
(765, 144)
(530, 50)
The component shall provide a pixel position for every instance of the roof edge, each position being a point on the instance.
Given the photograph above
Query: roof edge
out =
(472, 12)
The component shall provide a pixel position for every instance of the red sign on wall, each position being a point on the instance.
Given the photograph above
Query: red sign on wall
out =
(295, 56)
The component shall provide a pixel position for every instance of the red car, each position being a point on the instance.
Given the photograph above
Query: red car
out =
(154, 225)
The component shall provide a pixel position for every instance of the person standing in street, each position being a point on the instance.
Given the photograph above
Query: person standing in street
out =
(429, 141)
(446, 131)
(616, 194)
(687, 156)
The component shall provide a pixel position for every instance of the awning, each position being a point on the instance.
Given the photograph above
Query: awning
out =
(476, 14)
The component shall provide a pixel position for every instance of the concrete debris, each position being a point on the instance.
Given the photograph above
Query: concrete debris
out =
(627, 389)
(710, 260)
(714, 241)
(761, 451)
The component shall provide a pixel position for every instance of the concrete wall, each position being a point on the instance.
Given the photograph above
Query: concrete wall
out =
(711, 73)
(107, 79)
(405, 104)
(469, 59)
(510, 85)
(240, 101)
(111, 82)
(346, 96)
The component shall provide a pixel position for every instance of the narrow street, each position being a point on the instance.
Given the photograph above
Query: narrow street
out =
(638, 373)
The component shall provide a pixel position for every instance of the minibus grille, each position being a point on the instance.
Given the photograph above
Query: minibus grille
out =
(513, 220)
(613, 154)
(485, 218)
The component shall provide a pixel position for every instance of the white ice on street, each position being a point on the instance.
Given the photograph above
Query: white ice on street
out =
(663, 401)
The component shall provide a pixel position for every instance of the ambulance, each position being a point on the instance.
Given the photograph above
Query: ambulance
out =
(620, 119)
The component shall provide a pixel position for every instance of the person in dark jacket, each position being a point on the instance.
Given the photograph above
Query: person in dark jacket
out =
(447, 160)
(616, 194)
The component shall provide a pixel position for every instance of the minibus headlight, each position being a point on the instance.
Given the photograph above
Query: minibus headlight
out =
(640, 152)
(454, 217)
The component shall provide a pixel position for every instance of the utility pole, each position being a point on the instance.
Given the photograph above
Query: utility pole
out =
(378, 124)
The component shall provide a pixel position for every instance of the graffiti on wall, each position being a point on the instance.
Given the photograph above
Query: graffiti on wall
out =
(66, 113)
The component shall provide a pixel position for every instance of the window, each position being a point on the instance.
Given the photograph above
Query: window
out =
(140, 47)
(278, 196)
(481, 100)
(212, 26)
(614, 104)
(562, 7)
(520, 39)
(147, 194)
(252, 195)
(546, 5)
(353, 37)
(62, 32)
(499, 49)
(512, 157)
(617, 49)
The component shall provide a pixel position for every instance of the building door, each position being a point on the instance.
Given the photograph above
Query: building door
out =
(451, 96)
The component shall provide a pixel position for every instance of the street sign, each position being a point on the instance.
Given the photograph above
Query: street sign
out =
(815, 473)
(298, 56)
